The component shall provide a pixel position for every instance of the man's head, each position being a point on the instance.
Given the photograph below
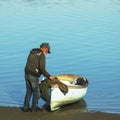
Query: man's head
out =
(45, 47)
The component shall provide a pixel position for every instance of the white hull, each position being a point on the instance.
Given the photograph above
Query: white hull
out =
(58, 99)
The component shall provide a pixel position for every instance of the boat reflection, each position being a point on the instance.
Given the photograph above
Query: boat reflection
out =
(80, 105)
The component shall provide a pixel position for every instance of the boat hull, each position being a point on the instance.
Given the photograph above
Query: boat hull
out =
(56, 98)
(59, 99)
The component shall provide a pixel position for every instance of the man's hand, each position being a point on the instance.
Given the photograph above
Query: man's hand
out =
(51, 77)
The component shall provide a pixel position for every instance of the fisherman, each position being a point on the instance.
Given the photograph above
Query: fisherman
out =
(35, 67)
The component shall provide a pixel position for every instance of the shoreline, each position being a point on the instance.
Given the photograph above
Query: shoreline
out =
(13, 113)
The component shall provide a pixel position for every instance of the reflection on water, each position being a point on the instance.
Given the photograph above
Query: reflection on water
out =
(81, 106)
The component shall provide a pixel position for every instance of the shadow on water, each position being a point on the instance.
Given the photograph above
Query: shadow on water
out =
(80, 105)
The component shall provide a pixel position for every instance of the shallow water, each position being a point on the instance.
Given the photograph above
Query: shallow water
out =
(84, 37)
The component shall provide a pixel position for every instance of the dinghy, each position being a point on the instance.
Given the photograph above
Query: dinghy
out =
(55, 97)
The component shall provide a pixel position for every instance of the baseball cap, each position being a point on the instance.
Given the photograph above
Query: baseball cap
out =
(46, 45)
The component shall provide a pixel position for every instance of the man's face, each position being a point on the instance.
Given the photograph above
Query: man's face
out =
(45, 50)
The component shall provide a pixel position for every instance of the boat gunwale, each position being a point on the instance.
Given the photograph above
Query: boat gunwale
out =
(72, 86)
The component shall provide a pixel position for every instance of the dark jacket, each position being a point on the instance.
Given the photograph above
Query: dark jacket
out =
(36, 63)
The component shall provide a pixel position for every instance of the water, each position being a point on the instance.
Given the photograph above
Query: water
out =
(84, 37)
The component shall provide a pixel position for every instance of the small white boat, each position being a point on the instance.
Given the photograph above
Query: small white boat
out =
(77, 89)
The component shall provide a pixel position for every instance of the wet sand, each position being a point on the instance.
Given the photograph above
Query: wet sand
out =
(15, 113)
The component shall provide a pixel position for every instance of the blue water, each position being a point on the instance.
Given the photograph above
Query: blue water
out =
(85, 40)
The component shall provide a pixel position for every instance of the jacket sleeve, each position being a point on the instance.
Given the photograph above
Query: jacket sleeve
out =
(42, 66)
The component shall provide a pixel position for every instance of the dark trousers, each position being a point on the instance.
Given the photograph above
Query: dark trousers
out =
(32, 90)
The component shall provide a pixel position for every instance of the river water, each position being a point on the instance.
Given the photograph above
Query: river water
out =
(85, 40)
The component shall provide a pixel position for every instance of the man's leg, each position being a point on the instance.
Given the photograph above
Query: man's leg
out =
(36, 93)
(26, 106)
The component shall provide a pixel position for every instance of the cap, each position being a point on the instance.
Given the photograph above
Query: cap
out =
(46, 45)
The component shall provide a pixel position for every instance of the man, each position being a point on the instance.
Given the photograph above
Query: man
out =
(35, 67)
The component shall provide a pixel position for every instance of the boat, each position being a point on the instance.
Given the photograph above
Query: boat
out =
(77, 89)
